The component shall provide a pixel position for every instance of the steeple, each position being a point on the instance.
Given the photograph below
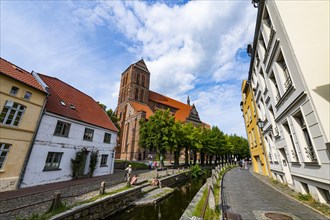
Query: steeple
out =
(188, 101)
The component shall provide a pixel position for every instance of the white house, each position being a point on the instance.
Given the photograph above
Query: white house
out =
(72, 122)
(289, 73)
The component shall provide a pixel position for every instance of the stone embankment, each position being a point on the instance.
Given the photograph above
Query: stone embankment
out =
(109, 205)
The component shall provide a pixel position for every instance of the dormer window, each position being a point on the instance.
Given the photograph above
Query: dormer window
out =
(14, 90)
(62, 103)
(72, 107)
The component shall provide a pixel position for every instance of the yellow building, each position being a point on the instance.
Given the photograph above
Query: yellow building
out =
(257, 148)
(21, 103)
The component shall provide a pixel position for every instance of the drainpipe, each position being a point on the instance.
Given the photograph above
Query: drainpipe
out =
(20, 179)
(31, 145)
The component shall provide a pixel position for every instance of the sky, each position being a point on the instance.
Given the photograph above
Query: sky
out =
(195, 48)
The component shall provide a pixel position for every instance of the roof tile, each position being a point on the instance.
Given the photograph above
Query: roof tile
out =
(19, 74)
(86, 108)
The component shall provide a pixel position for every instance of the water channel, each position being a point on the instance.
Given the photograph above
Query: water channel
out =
(171, 207)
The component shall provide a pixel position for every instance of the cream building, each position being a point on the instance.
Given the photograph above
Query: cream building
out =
(21, 101)
(289, 74)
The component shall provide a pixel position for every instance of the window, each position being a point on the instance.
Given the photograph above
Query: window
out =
(141, 95)
(283, 71)
(88, 135)
(274, 87)
(12, 113)
(4, 149)
(104, 160)
(27, 95)
(291, 144)
(143, 80)
(309, 151)
(14, 90)
(136, 94)
(107, 138)
(62, 129)
(53, 161)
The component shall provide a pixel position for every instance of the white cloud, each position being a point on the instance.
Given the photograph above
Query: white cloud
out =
(89, 44)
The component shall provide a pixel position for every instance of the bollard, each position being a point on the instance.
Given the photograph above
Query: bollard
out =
(102, 188)
(56, 201)
(157, 175)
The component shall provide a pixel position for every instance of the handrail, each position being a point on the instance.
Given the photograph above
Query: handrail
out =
(206, 202)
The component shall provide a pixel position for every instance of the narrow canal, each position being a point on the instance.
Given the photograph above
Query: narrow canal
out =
(171, 207)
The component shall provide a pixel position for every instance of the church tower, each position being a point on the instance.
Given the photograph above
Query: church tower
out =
(134, 84)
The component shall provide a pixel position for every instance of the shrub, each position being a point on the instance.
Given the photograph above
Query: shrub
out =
(196, 171)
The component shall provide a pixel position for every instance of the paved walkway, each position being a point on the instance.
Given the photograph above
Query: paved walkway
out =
(251, 198)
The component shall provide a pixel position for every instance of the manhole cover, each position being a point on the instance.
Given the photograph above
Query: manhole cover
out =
(277, 216)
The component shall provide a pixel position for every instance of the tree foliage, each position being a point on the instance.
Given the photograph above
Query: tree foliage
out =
(163, 134)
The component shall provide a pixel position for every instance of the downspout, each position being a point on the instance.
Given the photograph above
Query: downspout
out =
(20, 179)
(31, 146)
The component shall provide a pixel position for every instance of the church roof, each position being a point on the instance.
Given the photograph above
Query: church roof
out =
(183, 110)
(141, 107)
(69, 102)
(19, 74)
(141, 64)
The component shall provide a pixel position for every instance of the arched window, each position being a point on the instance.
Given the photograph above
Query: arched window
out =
(136, 94)
(141, 95)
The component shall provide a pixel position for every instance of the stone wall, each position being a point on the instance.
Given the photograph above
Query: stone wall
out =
(172, 180)
(40, 202)
(103, 207)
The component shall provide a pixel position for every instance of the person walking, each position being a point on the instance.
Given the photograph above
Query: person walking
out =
(128, 174)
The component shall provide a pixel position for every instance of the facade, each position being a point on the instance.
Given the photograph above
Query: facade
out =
(72, 122)
(21, 101)
(259, 158)
(136, 101)
(289, 76)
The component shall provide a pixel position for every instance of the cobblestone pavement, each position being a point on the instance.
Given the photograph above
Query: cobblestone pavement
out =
(251, 198)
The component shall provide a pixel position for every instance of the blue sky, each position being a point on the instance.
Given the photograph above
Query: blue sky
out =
(194, 48)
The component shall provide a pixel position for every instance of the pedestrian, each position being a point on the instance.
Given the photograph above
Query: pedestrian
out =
(246, 164)
(128, 174)
(240, 163)
(155, 165)
(150, 164)
(134, 179)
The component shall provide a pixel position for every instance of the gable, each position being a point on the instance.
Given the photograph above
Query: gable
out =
(193, 116)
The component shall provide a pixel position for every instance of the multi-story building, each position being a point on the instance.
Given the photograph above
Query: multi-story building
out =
(257, 148)
(72, 123)
(289, 75)
(136, 101)
(21, 101)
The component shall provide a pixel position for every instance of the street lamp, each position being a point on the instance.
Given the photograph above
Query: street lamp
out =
(260, 124)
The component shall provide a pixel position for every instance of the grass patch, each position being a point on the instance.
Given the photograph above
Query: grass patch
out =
(309, 200)
(200, 205)
(135, 165)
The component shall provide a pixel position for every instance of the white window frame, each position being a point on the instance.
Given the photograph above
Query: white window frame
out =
(4, 150)
(10, 109)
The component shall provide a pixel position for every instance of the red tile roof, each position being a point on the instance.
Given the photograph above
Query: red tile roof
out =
(183, 109)
(86, 108)
(19, 74)
(141, 107)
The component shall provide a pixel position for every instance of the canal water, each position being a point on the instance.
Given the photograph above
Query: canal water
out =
(171, 207)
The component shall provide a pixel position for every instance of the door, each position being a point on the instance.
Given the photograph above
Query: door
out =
(83, 164)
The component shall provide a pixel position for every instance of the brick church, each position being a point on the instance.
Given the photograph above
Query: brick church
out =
(136, 101)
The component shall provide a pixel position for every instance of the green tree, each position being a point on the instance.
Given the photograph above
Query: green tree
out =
(158, 133)
(240, 146)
